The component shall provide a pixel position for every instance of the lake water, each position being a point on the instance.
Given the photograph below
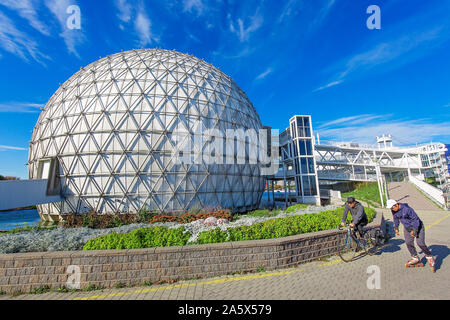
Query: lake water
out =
(17, 219)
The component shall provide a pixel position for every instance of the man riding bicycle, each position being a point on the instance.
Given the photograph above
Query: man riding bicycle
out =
(359, 217)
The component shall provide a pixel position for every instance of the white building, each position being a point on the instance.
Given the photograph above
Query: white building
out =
(108, 135)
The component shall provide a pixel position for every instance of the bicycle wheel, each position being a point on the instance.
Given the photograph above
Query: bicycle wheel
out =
(381, 240)
(376, 243)
(372, 247)
(350, 251)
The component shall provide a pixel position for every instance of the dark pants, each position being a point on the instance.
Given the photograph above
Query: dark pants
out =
(360, 227)
(420, 241)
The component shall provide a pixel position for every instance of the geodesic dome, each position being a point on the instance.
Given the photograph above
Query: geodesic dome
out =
(110, 128)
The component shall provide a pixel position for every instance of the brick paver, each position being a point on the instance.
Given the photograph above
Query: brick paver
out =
(330, 279)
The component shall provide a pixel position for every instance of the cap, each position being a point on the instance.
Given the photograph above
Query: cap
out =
(390, 203)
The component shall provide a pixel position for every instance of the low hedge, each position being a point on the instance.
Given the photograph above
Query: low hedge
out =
(140, 238)
(273, 228)
(281, 227)
(296, 207)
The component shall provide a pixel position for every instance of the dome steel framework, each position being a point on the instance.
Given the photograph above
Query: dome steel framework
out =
(110, 128)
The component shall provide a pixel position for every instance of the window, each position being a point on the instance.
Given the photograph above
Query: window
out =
(311, 168)
(54, 182)
(302, 147)
(298, 185)
(43, 169)
(306, 122)
(308, 148)
(312, 182)
(301, 132)
(306, 186)
(307, 132)
(304, 165)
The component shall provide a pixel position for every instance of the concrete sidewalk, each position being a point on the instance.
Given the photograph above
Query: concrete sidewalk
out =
(332, 279)
(407, 192)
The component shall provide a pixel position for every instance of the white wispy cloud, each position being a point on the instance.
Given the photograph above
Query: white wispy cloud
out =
(143, 26)
(317, 12)
(19, 43)
(403, 132)
(72, 38)
(255, 22)
(125, 10)
(27, 10)
(138, 16)
(225, 54)
(20, 107)
(194, 38)
(9, 148)
(396, 52)
(358, 119)
(322, 14)
(388, 51)
(191, 6)
(291, 8)
(331, 84)
(264, 74)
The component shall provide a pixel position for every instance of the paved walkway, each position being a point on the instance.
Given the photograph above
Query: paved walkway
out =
(407, 192)
(330, 279)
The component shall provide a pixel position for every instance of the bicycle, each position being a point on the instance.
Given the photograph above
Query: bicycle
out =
(356, 248)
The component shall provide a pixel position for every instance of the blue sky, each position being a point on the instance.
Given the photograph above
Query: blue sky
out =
(291, 57)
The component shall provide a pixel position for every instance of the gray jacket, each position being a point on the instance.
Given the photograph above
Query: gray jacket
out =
(358, 213)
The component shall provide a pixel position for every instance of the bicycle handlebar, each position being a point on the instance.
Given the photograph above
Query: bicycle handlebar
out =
(340, 227)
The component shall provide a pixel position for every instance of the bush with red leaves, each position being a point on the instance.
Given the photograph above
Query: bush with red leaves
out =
(189, 217)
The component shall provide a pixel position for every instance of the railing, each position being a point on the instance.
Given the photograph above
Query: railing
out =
(433, 193)
(346, 176)
(348, 145)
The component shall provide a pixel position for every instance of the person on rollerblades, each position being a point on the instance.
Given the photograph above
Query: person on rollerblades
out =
(413, 229)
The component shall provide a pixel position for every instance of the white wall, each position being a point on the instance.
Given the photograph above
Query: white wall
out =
(23, 193)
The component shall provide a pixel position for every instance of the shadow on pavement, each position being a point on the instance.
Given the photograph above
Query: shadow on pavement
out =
(393, 245)
(402, 198)
(390, 189)
(440, 252)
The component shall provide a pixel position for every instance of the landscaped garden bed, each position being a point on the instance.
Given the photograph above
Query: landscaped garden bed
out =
(259, 224)
(367, 192)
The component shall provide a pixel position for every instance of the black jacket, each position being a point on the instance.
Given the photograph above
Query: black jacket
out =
(358, 213)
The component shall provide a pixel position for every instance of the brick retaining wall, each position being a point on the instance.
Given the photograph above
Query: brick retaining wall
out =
(23, 272)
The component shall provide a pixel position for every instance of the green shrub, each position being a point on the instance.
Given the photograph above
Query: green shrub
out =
(145, 214)
(41, 290)
(274, 228)
(280, 227)
(258, 213)
(140, 238)
(29, 228)
(98, 221)
(189, 217)
(365, 191)
(296, 207)
(93, 287)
